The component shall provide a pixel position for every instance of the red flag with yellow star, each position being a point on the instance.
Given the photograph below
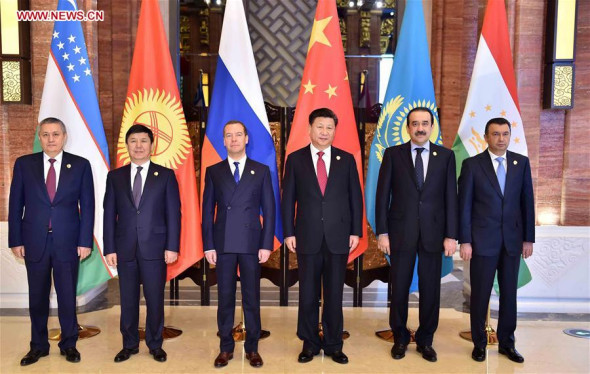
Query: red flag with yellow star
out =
(153, 100)
(325, 84)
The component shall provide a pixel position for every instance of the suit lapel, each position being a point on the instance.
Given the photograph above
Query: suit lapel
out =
(244, 179)
(64, 176)
(488, 168)
(335, 164)
(433, 163)
(510, 170)
(227, 176)
(308, 162)
(150, 181)
(40, 176)
(407, 160)
(126, 170)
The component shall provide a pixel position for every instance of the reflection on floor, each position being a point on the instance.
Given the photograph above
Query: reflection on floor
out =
(545, 348)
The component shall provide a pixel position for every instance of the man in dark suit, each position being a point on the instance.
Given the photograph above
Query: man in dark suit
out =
(497, 226)
(141, 236)
(51, 221)
(239, 189)
(416, 214)
(322, 209)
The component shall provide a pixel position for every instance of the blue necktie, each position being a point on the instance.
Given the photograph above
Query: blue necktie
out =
(501, 173)
(419, 168)
(237, 172)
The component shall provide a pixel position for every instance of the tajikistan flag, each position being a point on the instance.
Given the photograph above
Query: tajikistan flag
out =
(492, 93)
(69, 95)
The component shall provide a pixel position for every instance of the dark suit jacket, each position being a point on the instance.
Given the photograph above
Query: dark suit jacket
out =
(488, 219)
(153, 227)
(336, 215)
(236, 227)
(405, 212)
(71, 212)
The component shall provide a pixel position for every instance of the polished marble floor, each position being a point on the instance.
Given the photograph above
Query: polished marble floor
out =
(543, 344)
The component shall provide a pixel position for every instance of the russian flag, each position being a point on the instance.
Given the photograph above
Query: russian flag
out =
(237, 96)
(69, 94)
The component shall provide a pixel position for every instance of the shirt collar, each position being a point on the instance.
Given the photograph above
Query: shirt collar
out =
(426, 146)
(242, 160)
(57, 158)
(145, 165)
(494, 157)
(314, 150)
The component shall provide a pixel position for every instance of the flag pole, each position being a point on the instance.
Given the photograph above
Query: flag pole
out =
(490, 332)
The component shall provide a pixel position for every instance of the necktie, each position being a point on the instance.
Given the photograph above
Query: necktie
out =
(322, 174)
(50, 181)
(237, 172)
(501, 173)
(419, 168)
(137, 187)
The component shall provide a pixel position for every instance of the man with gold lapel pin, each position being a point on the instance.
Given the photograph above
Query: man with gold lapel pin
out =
(141, 236)
(416, 215)
(50, 225)
(322, 211)
(497, 226)
(237, 190)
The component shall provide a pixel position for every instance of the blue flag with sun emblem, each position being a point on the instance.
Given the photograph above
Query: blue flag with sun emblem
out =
(410, 85)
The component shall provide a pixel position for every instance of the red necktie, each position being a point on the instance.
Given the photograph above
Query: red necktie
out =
(322, 174)
(50, 181)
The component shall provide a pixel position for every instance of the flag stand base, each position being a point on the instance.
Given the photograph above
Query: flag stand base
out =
(490, 332)
(239, 333)
(387, 335)
(167, 333)
(345, 334)
(84, 332)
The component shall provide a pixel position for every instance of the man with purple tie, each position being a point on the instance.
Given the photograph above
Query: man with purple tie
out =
(50, 225)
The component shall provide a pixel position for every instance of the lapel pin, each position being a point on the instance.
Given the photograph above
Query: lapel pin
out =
(434, 153)
(252, 172)
(337, 157)
(156, 173)
(515, 162)
(69, 166)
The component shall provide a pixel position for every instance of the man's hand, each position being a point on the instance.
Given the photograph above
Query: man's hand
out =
(170, 257)
(466, 251)
(83, 252)
(112, 259)
(263, 255)
(450, 246)
(291, 243)
(19, 252)
(527, 250)
(353, 242)
(211, 257)
(383, 243)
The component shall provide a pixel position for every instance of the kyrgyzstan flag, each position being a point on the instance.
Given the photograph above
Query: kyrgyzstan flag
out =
(325, 84)
(153, 100)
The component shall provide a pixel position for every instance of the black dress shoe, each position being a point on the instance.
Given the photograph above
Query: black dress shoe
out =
(222, 359)
(338, 357)
(512, 354)
(398, 351)
(306, 355)
(125, 354)
(478, 354)
(428, 353)
(159, 354)
(33, 356)
(72, 354)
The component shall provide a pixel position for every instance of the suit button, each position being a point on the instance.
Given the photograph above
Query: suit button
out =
(138, 212)
(420, 203)
(229, 208)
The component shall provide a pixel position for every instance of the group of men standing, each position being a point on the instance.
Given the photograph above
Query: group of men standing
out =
(418, 214)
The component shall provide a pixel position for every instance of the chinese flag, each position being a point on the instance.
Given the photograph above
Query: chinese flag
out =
(153, 100)
(325, 84)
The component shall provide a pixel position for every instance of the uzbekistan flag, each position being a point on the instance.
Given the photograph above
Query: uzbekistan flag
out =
(325, 85)
(153, 100)
(237, 96)
(69, 95)
(492, 93)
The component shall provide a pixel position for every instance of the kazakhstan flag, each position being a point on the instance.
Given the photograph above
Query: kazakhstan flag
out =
(410, 85)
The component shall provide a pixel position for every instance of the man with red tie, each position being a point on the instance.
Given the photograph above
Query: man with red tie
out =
(322, 209)
(50, 225)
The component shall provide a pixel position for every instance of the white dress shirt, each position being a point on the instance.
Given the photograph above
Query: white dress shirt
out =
(144, 173)
(425, 155)
(241, 166)
(327, 157)
(56, 166)
(495, 163)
